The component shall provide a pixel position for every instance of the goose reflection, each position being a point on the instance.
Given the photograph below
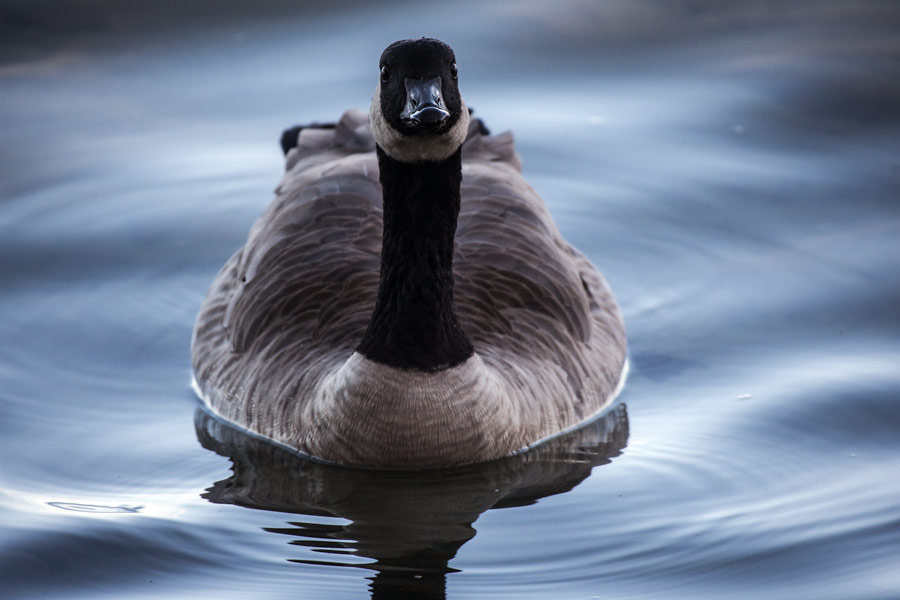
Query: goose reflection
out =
(409, 525)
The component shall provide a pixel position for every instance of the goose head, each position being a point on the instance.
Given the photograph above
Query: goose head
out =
(417, 112)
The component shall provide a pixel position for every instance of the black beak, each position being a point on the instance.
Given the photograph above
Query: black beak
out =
(424, 108)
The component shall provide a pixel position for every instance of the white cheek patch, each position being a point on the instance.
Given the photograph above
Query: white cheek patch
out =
(415, 148)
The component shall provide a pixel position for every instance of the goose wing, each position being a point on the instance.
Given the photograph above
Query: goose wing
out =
(534, 307)
(296, 299)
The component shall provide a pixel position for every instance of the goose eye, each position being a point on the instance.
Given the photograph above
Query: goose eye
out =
(453, 70)
(385, 73)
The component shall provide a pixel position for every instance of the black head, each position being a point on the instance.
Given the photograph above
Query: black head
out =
(417, 112)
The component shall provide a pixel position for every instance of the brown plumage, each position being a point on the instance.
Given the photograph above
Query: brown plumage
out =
(289, 308)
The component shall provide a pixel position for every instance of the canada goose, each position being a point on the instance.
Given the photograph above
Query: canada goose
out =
(459, 348)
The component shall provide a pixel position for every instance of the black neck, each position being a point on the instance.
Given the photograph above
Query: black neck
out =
(414, 325)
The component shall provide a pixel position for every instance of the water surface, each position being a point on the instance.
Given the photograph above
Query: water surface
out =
(733, 170)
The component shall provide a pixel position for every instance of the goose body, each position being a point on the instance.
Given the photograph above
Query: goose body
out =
(406, 300)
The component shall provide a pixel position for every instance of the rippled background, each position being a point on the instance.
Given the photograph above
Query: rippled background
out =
(733, 168)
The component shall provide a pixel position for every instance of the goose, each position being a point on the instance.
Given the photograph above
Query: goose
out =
(406, 300)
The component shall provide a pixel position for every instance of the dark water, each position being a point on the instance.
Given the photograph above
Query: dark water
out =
(734, 169)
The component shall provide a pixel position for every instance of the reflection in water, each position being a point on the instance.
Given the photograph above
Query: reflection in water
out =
(410, 524)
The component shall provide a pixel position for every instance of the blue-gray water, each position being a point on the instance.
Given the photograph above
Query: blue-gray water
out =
(733, 168)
